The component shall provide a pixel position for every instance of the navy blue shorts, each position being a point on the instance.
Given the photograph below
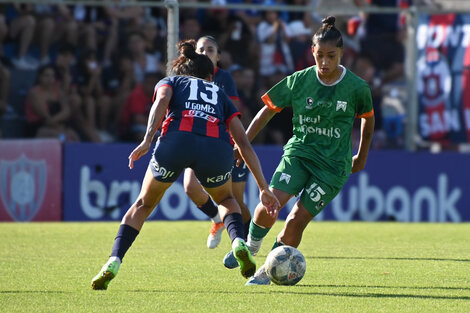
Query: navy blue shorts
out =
(240, 173)
(210, 158)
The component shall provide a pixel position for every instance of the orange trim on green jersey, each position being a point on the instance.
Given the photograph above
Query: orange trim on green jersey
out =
(270, 104)
(367, 114)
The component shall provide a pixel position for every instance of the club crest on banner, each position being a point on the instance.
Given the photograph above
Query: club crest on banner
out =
(23, 186)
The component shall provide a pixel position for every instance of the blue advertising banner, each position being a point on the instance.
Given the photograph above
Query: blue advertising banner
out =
(396, 185)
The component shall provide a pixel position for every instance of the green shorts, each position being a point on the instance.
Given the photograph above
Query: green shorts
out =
(294, 175)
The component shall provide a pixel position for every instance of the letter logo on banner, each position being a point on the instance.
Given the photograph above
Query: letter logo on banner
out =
(23, 186)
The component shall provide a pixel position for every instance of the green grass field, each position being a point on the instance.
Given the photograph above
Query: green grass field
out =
(351, 267)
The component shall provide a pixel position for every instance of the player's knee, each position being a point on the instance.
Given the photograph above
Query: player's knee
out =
(144, 207)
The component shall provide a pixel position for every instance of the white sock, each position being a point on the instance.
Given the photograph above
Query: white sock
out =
(216, 219)
(114, 258)
(254, 244)
(236, 241)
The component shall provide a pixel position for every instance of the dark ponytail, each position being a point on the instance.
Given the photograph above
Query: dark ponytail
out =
(191, 63)
(328, 32)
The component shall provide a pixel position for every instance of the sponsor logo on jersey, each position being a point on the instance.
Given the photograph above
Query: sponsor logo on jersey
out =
(284, 177)
(308, 119)
(321, 131)
(309, 101)
(199, 114)
(341, 105)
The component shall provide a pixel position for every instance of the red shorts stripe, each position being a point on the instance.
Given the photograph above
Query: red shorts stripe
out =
(212, 129)
(187, 121)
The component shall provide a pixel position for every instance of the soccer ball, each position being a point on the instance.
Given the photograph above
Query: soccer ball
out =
(285, 265)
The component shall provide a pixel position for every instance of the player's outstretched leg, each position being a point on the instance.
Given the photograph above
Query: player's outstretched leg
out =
(107, 273)
(244, 257)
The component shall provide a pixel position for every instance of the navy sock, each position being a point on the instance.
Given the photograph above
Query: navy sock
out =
(234, 224)
(209, 208)
(246, 227)
(123, 241)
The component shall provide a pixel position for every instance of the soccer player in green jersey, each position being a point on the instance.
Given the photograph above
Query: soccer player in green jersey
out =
(317, 160)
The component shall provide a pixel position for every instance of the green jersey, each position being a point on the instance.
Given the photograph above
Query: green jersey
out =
(323, 116)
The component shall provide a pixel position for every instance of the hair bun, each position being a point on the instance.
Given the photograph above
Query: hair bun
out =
(188, 49)
(329, 21)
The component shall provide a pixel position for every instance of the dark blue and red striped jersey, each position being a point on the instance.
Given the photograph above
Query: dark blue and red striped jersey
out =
(224, 80)
(197, 106)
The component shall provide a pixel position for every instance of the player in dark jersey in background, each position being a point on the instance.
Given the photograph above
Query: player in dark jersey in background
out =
(208, 46)
(325, 98)
(197, 116)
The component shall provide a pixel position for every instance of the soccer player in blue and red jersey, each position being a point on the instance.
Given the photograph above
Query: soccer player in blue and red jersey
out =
(198, 117)
(208, 46)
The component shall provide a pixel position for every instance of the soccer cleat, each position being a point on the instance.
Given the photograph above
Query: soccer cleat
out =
(107, 273)
(230, 261)
(260, 278)
(215, 235)
(244, 258)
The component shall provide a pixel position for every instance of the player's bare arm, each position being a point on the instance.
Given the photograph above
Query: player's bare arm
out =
(259, 121)
(257, 124)
(367, 130)
(157, 112)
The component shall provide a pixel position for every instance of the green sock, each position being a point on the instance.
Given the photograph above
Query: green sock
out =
(258, 232)
(277, 244)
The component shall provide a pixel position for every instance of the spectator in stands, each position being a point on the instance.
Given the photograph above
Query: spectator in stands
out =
(304, 17)
(250, 17)
(150, 33)
(4, 87)
(54, 23)
(135, 113)
(97, 104)
(47, 108)
(216, 22)
(238, 39)
(118, 82)
(190, 28)
(244, 85)
(3, 27)
(143, 62)
(274, 36)
(22, 27)
(364, 68)
(67, 83)
(383, 39)
(300, 44)
(97, 30)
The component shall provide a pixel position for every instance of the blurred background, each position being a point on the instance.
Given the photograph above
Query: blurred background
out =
(94, 65)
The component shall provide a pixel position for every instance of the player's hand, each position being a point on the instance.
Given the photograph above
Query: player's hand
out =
(270, 202)
(141, 150)
(358, 164)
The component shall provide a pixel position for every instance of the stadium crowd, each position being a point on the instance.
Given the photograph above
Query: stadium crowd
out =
(87, 73)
